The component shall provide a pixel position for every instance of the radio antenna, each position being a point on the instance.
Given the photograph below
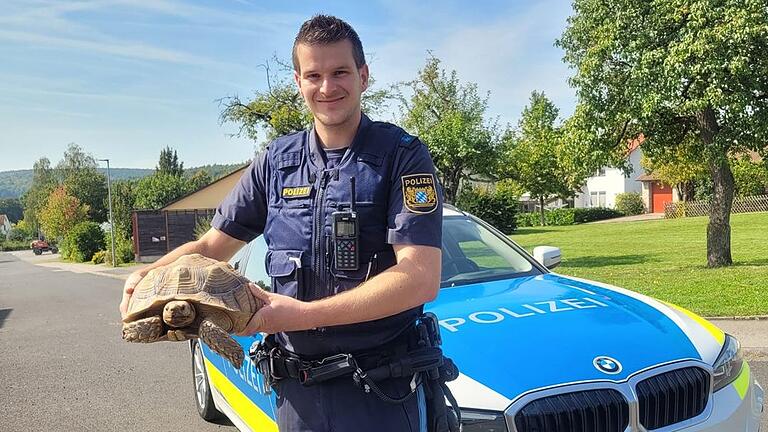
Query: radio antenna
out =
(352, 187)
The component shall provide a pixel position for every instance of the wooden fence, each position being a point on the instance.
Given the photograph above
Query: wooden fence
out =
(701, 208)
(156, 233)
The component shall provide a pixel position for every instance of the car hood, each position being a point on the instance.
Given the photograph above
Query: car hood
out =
(517, 335)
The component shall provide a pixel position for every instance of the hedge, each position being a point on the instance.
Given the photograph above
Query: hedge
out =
(567, 216)
(498, 209)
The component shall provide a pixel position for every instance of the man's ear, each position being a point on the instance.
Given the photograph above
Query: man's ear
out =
(297, 79)
(364, 76)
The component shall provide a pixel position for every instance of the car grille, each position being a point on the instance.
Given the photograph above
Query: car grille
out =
(602, 410)
(672, 397)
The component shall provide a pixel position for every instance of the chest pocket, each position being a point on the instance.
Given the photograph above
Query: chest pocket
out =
(291, 186)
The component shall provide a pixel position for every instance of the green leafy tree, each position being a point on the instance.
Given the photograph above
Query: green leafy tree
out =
(12, 208)
(36, 197)
(123, 199)
(750, 177)
(449, 117)
(199, 179)
(169, 163)
(280, 109)
(680, 167)
(159, 189)
(62, 212)
(79, 174)
(682, 72)
(533, 155)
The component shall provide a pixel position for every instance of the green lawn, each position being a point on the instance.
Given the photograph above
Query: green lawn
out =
(667, 259)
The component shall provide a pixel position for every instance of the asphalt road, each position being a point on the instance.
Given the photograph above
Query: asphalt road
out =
(64, 367)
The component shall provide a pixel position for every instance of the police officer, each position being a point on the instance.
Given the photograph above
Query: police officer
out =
(351, 213)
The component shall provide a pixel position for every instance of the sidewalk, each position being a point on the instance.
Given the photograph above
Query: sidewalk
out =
(54, 262)
(640, 217)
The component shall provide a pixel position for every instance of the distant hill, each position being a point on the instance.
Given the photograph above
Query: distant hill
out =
(14, 183)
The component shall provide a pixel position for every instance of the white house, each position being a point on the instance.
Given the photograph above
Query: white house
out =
(5, 225)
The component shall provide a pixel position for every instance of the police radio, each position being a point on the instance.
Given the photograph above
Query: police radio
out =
(345, 233)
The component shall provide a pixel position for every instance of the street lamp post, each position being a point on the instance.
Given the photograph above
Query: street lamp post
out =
(111, 220)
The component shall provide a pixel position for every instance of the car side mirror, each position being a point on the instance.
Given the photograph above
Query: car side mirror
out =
(548, 256)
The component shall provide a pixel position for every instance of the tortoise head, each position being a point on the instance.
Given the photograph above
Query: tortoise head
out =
(178, 313)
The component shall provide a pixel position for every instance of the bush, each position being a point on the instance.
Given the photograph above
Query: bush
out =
(13, 245)
(16, 234)
(528, 219)
(630, 203)
(498, 209)
(560, 217)
(123, 249)
(82, 241)
(98, 257)
(582, 215)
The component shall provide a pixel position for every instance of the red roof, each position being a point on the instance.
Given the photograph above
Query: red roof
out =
(635, 143)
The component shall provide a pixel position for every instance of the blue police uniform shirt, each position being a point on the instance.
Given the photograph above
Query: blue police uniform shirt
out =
(289, 193)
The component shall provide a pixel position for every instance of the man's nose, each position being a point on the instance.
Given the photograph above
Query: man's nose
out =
(328, 85)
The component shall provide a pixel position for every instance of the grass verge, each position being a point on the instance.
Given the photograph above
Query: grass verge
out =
(667, 259)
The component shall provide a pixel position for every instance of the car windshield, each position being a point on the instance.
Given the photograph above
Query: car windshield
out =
(473, 253)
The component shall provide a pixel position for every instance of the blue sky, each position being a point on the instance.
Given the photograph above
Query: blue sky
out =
(123, 79)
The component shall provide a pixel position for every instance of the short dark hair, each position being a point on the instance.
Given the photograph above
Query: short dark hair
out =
(327, 29)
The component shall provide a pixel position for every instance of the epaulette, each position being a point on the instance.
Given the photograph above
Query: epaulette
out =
(407, 140)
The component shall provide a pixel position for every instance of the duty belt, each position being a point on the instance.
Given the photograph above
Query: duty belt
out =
(424, 364)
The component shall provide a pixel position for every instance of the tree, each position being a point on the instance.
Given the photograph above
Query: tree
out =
(79, 174)
(123, 199)
(532, 156)
(169, 163)
(12, 208)
(682, 72)
(679, 167)
(280, 110)
(199, 179)
(43, 183)
(159, 189)
(62, 212)
(448, 117)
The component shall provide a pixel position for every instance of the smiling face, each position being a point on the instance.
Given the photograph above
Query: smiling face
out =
(331, 83)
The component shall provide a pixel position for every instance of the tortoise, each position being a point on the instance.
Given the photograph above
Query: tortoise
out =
(192, 297)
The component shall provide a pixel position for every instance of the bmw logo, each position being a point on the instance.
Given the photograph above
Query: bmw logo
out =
(607, 365)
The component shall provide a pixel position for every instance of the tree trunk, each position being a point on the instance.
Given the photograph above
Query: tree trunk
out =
(541, 208)
(719, 227)
(451, 186)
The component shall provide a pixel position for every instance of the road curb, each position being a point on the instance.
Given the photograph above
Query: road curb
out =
(738, 318)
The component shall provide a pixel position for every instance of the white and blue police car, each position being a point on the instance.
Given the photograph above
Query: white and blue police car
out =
(538, 351)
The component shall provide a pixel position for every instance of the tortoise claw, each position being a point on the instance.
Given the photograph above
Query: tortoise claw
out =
(221, 342)
(144, 330)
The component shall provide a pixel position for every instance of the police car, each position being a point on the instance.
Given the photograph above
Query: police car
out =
(538, 351)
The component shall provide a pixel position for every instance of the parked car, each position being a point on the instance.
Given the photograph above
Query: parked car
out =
(538, 351)
(41, 245)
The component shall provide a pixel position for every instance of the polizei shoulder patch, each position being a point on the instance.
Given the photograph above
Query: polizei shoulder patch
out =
(419, 194)
(297, 191)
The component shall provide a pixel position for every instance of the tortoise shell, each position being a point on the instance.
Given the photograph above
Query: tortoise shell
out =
(205, 282)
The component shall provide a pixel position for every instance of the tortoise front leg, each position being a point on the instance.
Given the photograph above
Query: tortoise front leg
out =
(144, 330)
(221, 342)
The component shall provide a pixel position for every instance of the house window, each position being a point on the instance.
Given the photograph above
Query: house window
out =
(600, 172)
(597, 199)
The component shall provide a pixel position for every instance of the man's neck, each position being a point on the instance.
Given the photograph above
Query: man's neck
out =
(340, 136)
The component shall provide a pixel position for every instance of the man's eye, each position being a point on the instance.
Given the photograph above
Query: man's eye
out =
(313, 76)
(339, 73)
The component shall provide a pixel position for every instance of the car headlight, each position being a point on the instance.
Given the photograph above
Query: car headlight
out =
(728, 364)
(482, 421)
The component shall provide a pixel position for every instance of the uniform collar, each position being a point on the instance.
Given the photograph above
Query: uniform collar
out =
(317, 153)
